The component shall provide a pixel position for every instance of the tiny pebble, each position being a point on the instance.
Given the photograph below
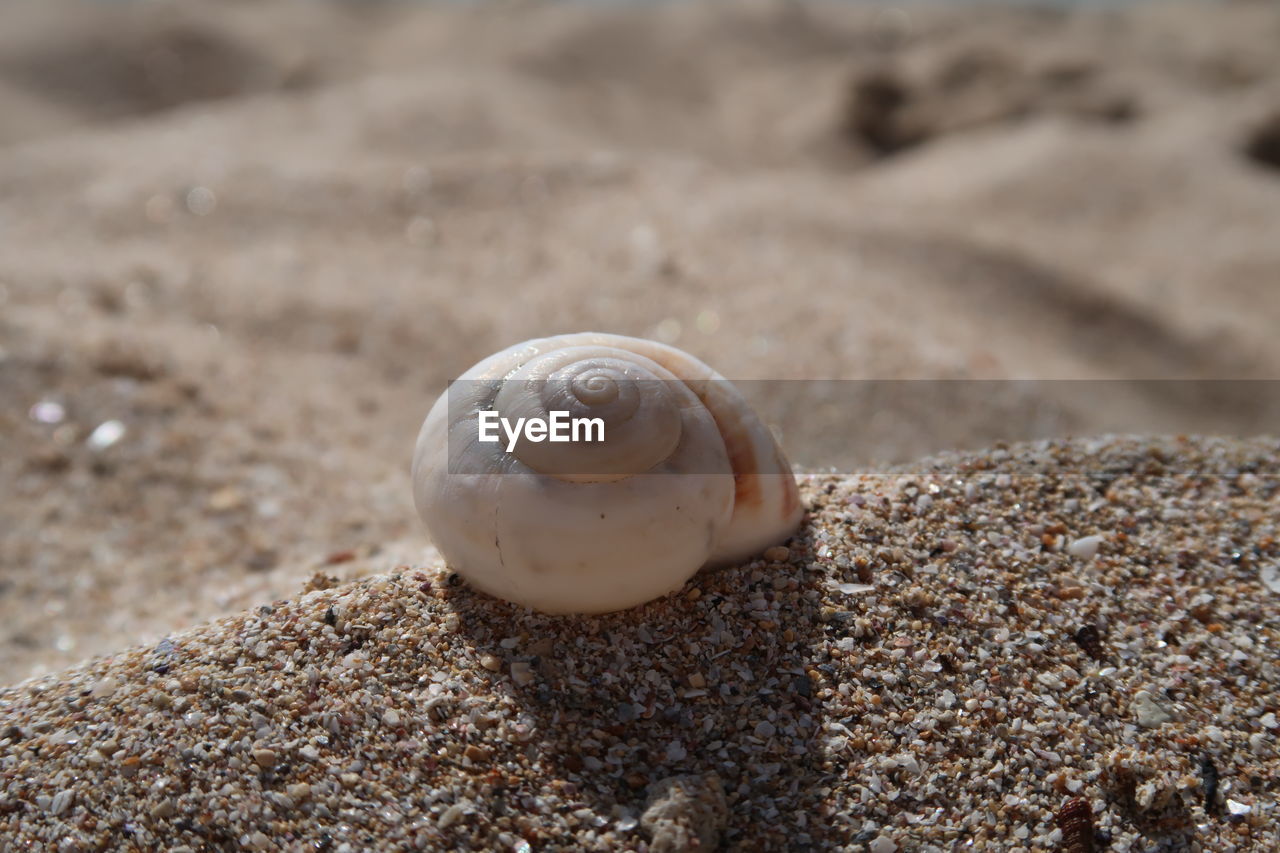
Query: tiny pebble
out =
(1149, 712)
(61, 802)
(521, 673)
(105, 435)
(1084, 548)
(47, 412)
(450, 816)
(104, 688)
(777, 554)
(1269, 573)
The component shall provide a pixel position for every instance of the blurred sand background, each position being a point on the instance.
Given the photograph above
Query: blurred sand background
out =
(261, 236)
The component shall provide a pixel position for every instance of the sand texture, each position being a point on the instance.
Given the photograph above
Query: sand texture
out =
(262, 236)
(243, 246)
(941, 658)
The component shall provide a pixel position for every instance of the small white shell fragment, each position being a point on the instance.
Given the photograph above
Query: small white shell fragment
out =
(1238, 809)
(854, 588)
(104, 688)
(1269, 574)
(451, 815)
(882, 844)
(47, 412)
(62, 801)
(1084, 548)
(907, 761)
(521, 673)
(1148, 711)
(106, 434)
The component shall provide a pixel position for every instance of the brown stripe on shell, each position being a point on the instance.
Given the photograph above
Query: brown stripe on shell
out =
(748, 488)
(791, 496)
(749, 484)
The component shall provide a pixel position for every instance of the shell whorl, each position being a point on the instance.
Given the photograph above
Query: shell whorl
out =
(639, 402)
(686, 476)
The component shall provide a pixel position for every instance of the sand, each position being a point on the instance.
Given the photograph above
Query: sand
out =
(245, 245)
(942, 657)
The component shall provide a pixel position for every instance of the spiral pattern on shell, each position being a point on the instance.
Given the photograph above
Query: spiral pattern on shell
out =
(638, 402)
(686, 475)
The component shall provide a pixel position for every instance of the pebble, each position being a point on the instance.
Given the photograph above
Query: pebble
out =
(777, 554)
(1085, 548)
(104, 688)
(521, 673)
(1149, 712)
(451, 815)
(225, 500)
(47, 412)
(854, 588)
(61, 802)
(105, 435)
(1269, 574)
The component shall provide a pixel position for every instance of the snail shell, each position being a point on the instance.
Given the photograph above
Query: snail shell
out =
(687, 475)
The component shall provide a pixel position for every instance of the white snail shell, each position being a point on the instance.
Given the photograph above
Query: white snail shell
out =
(687, 476)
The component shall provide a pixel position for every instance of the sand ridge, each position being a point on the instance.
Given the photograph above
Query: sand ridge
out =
(944, 655)
(267, 275)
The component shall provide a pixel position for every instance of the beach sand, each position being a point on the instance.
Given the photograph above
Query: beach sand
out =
(246, 245)
(941, 657)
